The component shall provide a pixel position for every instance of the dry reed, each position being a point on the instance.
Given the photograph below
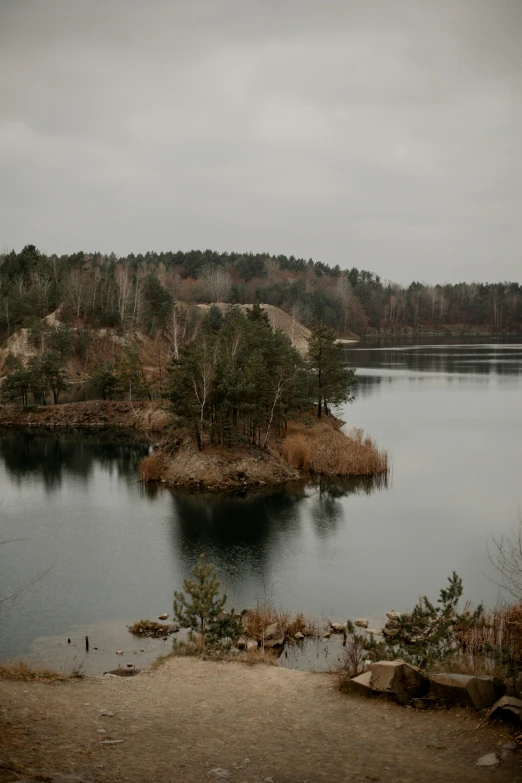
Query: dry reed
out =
(20, 670)
(500, 631)
(255, 621)
(328, 451)
(152, 467)
(491, 647)
(499, 628)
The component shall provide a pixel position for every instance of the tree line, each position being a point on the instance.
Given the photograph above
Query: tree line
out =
(140, 291)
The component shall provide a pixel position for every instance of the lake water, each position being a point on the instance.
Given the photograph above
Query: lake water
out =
(450, 415)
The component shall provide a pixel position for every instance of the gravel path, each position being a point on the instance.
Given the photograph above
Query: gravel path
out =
(190, 718)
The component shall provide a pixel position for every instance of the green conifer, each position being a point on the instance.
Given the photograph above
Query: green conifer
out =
(202, 607)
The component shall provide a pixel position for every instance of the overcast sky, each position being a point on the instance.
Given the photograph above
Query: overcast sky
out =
(382, 134)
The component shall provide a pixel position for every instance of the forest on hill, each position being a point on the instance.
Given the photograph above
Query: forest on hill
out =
(140, 292)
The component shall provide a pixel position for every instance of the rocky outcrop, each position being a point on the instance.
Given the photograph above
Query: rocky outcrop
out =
(507, 708)
(467, 690)
(399, 679)
(394, 680)
(360, 685)
(407, 684)
(274, 635)
(245, 643)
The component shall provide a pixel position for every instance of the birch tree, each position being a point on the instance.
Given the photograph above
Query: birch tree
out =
(123, 283)
(217, 282)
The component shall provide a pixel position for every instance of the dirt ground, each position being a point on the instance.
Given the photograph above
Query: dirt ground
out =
(191, 717)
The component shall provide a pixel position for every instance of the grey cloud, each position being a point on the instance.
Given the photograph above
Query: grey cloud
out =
(384, 135)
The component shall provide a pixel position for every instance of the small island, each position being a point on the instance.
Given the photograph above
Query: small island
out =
(251, 410)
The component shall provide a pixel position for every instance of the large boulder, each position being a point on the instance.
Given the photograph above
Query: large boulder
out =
(274, 635)
(360, 685)
(399, 679)
(507, 708)
(467, 690)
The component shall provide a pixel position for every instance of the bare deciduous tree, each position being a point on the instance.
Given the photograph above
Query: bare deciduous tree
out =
(76, 287)
(41, 284)
(272, 267)
(505, 555)
(217, 281)
(123, 283)
(139, 297)
(6, 311)
(175, 330)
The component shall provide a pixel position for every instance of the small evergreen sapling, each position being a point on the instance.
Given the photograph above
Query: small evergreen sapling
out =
(202, 607)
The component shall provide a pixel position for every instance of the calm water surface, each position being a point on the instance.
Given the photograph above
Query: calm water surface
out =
(450, 414)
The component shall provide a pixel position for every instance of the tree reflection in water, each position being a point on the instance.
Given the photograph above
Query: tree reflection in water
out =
(47, 455)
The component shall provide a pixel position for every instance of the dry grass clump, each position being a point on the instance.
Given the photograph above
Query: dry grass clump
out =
(328, 451)
(256, 620)
(261, 655)
(20, 670)
(151, 467)
(152, 628)
(193, 649)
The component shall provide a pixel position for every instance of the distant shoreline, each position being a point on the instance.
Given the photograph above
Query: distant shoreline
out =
(145, 416)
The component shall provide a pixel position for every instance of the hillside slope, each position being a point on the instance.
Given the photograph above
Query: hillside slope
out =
(107, 343)
(295, 330)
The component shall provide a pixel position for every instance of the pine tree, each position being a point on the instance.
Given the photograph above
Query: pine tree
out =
(130, 376)
(52, 373)
(332, 379)
(16, 386)
(429, 632)
(104, 382)
(202, 607)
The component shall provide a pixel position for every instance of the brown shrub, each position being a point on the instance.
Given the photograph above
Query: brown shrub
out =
(328, 451)
(152, 467)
